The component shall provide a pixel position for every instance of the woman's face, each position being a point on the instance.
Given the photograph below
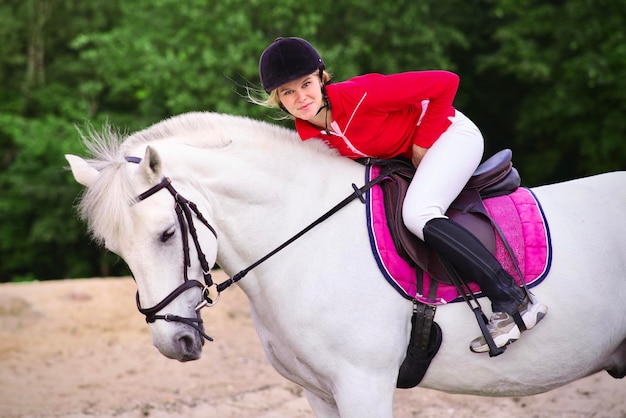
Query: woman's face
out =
(302, 97)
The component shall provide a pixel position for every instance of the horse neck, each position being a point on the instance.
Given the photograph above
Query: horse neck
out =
(260, 196)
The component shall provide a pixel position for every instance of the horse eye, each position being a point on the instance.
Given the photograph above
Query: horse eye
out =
(167, 234)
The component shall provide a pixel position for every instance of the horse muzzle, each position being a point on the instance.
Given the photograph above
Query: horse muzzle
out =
(177, 341)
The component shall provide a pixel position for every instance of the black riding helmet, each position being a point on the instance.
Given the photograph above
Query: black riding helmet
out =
(287, 59)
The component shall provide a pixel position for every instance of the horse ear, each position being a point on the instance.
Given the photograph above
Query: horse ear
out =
(82, 171)
(151, 166)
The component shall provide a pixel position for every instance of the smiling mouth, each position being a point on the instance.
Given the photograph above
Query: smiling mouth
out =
(305, 107)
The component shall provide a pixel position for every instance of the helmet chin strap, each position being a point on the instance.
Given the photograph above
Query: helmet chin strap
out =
(325, 100)
(326, 106)
(324, 95)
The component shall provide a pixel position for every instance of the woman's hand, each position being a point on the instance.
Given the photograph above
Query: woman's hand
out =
(418, 154)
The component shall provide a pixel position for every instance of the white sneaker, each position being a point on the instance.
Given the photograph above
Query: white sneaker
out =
(532, 313)
(503, 328)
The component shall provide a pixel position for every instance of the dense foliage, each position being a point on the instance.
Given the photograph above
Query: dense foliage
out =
(543, 78)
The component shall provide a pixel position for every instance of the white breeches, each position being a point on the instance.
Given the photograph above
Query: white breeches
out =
(443, 172)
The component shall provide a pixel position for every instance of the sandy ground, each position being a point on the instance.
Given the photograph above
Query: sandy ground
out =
(79, 348)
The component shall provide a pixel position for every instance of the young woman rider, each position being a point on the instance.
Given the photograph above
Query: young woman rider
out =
(411, 115)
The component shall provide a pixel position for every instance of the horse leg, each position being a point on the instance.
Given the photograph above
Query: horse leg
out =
(617, 367)
(365, 398)
(362, 398)
(321, 407)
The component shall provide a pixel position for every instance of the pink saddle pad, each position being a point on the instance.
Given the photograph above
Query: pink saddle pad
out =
(518, 215)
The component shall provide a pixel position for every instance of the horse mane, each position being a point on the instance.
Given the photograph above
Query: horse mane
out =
(105, 205)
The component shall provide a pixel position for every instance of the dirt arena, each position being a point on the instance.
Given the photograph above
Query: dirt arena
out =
(79, 348)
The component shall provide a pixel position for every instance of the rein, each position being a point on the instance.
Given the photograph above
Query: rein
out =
(184, 209)
(358, 192)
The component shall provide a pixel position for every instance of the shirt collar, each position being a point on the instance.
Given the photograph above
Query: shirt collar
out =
(307, 130)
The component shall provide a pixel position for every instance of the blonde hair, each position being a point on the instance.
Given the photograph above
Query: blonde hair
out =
(272, 100)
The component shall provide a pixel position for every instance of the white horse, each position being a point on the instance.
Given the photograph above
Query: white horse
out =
(327, 319)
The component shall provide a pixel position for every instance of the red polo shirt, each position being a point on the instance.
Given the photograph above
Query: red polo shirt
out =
(382, 116)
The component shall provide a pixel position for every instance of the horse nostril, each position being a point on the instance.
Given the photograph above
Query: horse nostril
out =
(187, 343)
(189, 346)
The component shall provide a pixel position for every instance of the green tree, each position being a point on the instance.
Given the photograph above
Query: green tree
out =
(40, 236)
(163, 59)
(570, 59)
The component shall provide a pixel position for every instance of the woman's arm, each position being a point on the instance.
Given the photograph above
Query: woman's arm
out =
(418, 154)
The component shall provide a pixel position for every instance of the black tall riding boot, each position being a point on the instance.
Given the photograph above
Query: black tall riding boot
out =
(474, 262)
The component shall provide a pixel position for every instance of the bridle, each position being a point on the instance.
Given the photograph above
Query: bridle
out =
(184, 211)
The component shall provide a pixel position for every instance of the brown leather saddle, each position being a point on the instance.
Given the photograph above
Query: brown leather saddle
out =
(494, 177)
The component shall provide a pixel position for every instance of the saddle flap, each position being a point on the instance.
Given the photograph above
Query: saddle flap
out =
(496, 176)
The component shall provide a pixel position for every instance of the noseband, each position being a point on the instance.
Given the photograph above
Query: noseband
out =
(184, 211)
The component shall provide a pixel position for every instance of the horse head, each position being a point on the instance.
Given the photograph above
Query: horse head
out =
(135, 211)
